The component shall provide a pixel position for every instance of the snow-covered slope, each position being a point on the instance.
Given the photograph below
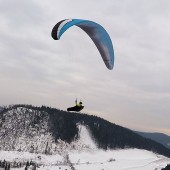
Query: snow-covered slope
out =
(46, 130)
(25, 136)
(84, 140)
(22, 130)
(27, 130)
(90, 158)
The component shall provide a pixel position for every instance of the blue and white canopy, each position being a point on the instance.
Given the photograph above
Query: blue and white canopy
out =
(95, 31)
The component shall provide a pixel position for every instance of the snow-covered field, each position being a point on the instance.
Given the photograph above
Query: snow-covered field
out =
(89, 157)
(119, 160)
(129, 159)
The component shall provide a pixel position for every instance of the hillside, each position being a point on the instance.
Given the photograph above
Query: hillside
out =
(158, 137)
(1, 108)
(89, 158)
(45, 130)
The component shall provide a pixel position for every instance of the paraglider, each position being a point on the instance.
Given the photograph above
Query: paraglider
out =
(77, 108)
(99, 36)
(95, 31)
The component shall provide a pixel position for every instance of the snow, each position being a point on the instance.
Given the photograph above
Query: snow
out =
(129, 159)
(118, 159)
(85, 140)
(89, 157)
(11, 156)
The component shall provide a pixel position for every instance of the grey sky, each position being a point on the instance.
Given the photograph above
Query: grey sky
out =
(35, 69)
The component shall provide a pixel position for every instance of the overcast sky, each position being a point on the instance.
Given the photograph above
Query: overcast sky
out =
(35, 69)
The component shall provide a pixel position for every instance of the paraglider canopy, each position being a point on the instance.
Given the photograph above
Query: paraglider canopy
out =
(95, 31)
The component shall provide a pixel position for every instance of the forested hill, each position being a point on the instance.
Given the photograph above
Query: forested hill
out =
(1, 109)
(158, 137)
(26, 122)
